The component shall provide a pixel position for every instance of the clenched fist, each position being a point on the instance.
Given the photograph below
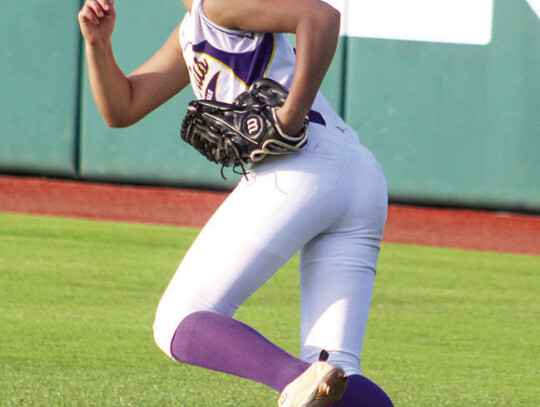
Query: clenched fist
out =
(97, 19)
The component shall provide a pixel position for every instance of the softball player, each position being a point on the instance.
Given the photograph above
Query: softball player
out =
(327, 201)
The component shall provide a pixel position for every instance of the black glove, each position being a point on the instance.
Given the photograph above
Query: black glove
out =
(245, 131)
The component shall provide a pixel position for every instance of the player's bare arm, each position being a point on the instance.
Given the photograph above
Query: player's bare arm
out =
(124, 100)
(316, 26)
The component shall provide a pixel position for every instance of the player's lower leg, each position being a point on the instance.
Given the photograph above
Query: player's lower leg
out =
(220, 343)
(224, 344)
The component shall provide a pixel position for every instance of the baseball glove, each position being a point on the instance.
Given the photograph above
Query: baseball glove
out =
(242, 132)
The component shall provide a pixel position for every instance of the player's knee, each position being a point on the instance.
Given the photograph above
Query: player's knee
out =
(162, 341)
(164, 330)
(171, 337)
(166, 324)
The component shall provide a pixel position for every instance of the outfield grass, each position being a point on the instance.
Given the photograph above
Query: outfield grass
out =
(77, 298)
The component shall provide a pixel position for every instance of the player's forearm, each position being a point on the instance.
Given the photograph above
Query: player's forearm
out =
(110, 87)
(316, 41)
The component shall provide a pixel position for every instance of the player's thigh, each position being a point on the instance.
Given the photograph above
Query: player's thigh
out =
(216, 278)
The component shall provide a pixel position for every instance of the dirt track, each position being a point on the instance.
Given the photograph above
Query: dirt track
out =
(466, 229)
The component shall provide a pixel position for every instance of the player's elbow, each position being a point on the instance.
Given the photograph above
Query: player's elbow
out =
(330, 15)
(118, 116)
(322, 22)
(118, 122)
(333, 14)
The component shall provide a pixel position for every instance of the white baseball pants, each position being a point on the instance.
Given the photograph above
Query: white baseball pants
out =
(329, 202)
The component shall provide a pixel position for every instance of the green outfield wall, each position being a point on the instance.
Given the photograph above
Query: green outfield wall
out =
(449, 105)
(454, 123)
(39, 87)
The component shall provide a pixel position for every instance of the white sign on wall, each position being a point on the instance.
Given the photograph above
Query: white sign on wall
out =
(535, 5)
(449, 21)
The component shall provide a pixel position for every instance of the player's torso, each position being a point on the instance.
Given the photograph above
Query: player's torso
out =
(223, 63)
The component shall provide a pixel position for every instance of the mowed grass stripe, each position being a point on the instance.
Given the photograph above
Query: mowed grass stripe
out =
(77, 301)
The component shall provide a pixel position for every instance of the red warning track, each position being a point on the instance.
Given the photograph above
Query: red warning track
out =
(466, 229)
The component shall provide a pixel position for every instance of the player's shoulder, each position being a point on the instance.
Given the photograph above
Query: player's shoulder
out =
(188, 4)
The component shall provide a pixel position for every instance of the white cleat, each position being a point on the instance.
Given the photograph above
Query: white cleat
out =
(322, 385)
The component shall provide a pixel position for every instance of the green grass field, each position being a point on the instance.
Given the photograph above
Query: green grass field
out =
(77, 298)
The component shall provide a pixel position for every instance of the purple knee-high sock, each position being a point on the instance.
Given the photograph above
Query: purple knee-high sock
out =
(362, 392)
(224, 344)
